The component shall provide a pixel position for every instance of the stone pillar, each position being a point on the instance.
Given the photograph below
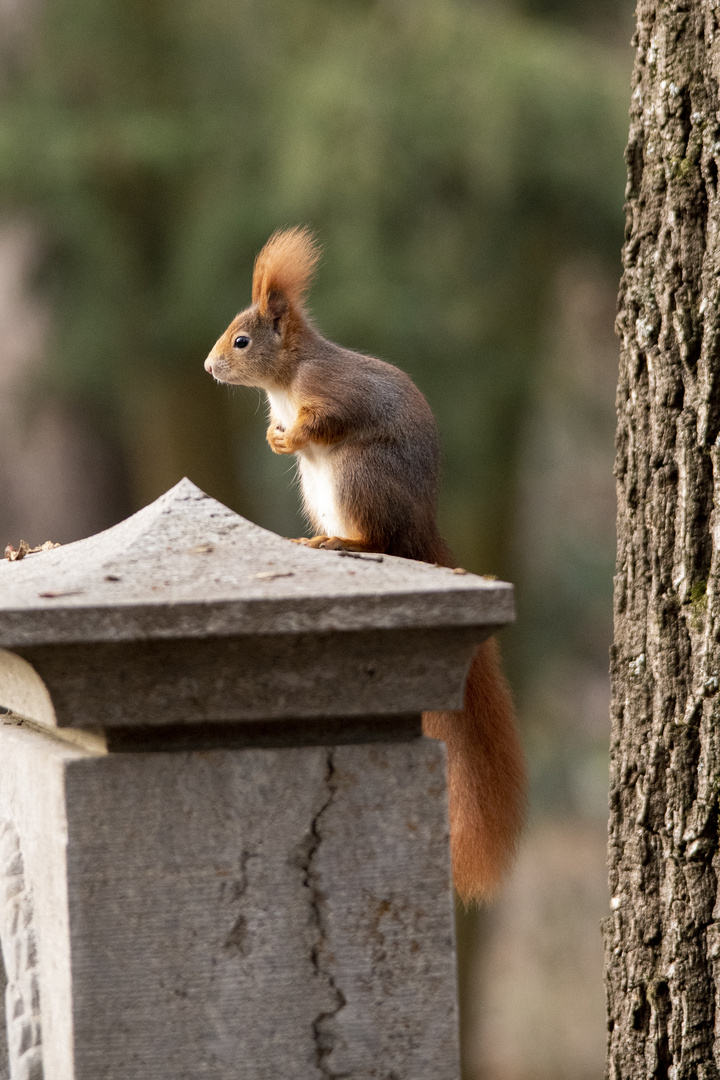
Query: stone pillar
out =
(223, 840)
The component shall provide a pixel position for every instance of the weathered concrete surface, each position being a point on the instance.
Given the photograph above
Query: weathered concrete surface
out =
(33, 898)
(4, 1051)
(246, 914)
(383, 877)
(186, 567)
(23, 691)
(206, 908)
(246, 678)
(18, 939)
(188, 613)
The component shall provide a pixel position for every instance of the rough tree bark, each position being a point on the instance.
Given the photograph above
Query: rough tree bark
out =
(662, 938)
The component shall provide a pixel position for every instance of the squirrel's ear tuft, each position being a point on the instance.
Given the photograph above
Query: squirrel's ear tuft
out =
(277, 307)
(284, 268)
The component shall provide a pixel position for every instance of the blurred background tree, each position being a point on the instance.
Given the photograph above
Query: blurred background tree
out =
(462, 163)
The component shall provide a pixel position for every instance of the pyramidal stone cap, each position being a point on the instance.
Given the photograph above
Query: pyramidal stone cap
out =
(161, 618)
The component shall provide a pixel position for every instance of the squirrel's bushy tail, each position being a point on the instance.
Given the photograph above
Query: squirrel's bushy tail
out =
(285, 266)
(487, 777)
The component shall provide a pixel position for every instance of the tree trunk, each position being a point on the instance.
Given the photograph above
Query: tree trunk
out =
(663, 945)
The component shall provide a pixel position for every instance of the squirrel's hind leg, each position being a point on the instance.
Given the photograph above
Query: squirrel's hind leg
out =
(336, 543)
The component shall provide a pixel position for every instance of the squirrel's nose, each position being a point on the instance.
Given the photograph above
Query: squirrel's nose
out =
(209, 365)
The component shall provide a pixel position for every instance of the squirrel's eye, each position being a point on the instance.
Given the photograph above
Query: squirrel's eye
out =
(241, 342)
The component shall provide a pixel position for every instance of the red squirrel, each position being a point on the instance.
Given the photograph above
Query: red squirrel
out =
(368, 456)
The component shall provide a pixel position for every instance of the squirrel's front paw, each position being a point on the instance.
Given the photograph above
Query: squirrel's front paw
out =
(277, 437)
(285, 442)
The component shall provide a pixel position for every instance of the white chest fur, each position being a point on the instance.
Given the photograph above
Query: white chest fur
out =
(315, 468)
(283, 408)
(318, 487)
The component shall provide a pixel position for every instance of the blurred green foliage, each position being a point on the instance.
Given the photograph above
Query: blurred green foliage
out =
(450, 154)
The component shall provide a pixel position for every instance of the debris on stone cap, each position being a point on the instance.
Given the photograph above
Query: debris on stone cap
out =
(14, 554)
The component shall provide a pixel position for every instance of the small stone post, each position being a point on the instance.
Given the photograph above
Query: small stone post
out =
(223, 840)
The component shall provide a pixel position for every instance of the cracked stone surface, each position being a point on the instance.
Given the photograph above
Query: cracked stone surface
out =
(217, 910)
(247, 915)
(323, 968)
(391, 940)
